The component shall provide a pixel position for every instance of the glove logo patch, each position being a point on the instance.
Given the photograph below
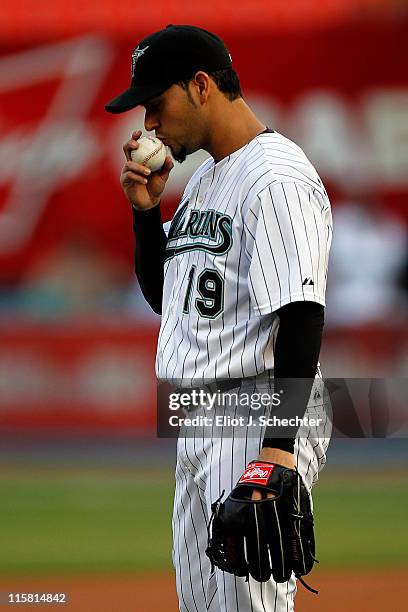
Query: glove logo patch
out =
(256, 473)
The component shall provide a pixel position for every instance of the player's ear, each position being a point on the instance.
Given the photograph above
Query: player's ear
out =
(202, 85)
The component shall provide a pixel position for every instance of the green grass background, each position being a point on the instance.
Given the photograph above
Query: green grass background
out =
(77, 521)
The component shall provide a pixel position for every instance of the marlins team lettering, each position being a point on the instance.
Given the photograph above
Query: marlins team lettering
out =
(210, 224)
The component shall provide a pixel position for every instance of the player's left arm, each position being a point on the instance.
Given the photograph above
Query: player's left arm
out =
(288, 240)
(296, 356)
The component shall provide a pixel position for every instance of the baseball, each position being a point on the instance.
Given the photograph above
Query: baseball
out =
(151, 153)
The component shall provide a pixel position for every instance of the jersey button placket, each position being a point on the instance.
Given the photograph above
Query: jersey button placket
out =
(202, 190)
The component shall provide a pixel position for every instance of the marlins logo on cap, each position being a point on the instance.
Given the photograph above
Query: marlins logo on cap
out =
(135, 56)
(175, 54)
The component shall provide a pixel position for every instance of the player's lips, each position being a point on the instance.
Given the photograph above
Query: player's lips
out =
(165, 142)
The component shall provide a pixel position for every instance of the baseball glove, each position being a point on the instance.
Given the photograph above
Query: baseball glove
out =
(272, 536)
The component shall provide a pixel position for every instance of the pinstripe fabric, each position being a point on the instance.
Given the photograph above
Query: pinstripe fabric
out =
(251, 234)
(206, 465)
(273, 250)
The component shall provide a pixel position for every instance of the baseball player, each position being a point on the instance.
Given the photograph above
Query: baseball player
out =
(239, 278)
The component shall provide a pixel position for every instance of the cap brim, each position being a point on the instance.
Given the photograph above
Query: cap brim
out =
(134, 96)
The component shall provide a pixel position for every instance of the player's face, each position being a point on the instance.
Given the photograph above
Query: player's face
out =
(177, 121)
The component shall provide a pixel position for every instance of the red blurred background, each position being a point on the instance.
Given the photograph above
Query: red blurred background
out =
(77, 350)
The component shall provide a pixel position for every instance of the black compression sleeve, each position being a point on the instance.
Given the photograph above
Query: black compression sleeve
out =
(296, 355)
(149, 254)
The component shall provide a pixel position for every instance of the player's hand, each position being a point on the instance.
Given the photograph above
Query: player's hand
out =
(257, 495)
(273, 455)
(242, 533)
(142, 187)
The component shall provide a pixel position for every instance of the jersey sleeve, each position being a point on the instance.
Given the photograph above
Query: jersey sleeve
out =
(166, 227)
(288, 235)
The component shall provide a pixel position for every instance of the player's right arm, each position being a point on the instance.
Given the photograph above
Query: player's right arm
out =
(143, 190)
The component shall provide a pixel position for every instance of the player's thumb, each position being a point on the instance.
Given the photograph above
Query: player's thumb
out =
(166, 168)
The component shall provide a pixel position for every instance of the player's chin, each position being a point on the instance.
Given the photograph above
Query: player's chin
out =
(179, 154)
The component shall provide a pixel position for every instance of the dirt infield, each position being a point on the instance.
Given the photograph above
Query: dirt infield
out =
(340, 591)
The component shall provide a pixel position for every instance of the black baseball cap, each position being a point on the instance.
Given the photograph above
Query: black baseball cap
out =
(166, 57)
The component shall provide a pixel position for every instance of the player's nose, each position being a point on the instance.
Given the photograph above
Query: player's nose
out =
(151, 122)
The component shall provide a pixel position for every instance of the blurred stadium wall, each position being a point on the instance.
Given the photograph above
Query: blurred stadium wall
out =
(77, 349)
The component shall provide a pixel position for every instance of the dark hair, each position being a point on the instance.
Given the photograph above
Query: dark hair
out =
(227, 82)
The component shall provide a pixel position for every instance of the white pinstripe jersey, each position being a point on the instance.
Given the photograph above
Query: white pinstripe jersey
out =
(252, 233)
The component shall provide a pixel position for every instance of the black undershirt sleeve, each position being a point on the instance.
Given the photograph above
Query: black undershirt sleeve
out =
(150, 252)
(296, 356)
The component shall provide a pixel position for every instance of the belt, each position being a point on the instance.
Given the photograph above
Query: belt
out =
(220, 385)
